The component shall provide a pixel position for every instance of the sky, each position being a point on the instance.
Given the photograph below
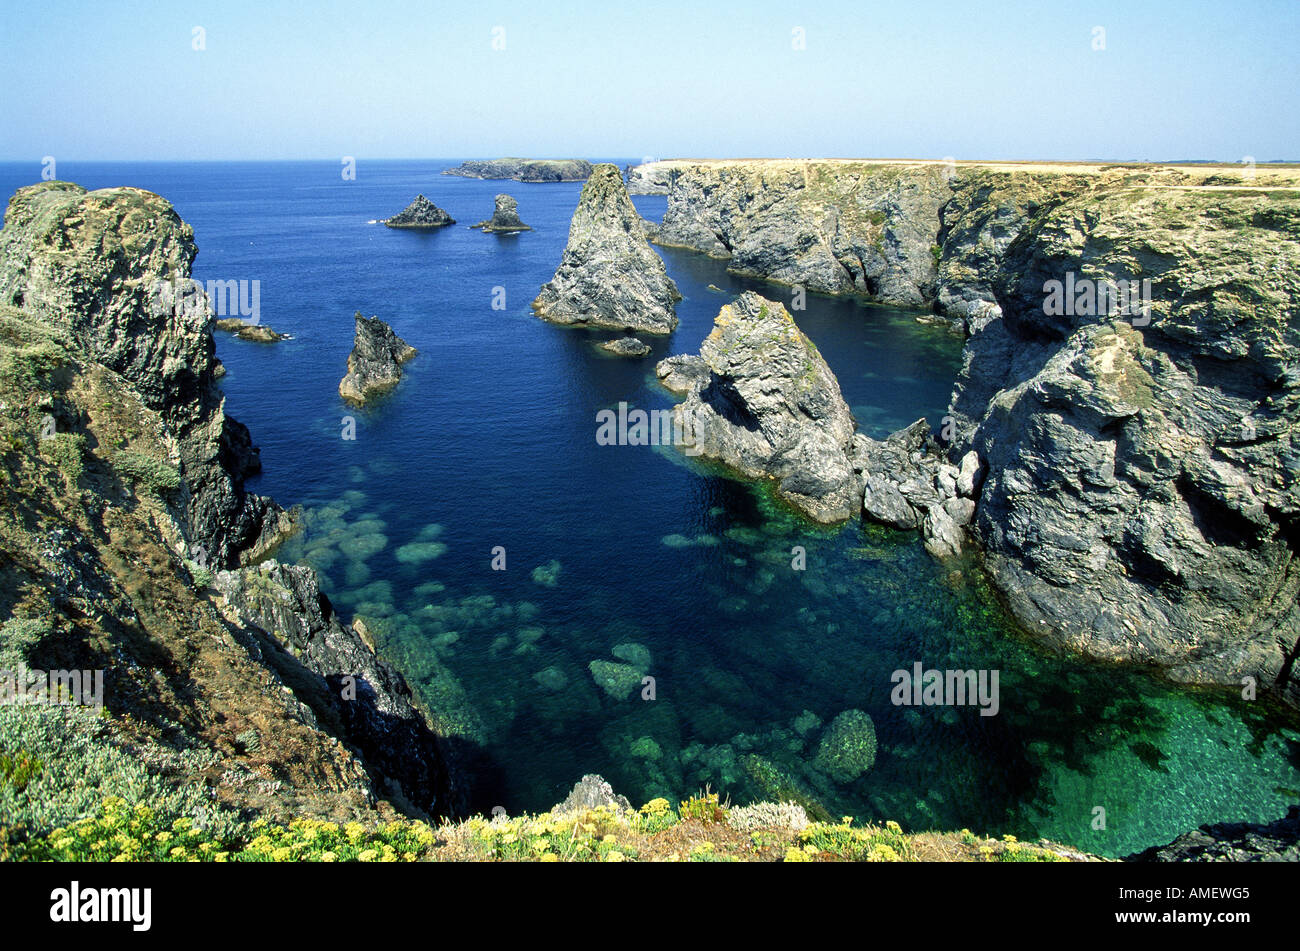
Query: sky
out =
(1062, 79)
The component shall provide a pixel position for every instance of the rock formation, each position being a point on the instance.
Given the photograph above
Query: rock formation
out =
(626, 347)
(651, 178)
(420, 213)
(526, 170)
(116, 536)
(765, 403)
(505, 218)
(1277, 841)
(909, 484)
(1138, 498)
(375, 363)
(1142, 499)
(258, 333)
(609, 275)
(101, 266)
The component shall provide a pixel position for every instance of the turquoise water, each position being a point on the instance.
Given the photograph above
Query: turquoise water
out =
(641, 557)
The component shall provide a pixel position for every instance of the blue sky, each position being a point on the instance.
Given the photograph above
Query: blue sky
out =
(978, 80)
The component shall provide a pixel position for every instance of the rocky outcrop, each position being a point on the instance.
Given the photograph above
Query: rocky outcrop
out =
(909, 484)
(830, 227)
(1142, 500)
(609, 275)
(116, 535)
(626, 347)
(420, 214)
(505, 218)
(761, 399)
(1139, 499)
(1277, 841)
(592, 792)
(375, 363)
(525, 170)
(360, 697)
(111, 268)
(257, 333)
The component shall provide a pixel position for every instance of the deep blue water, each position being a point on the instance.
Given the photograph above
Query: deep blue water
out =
(490, 441)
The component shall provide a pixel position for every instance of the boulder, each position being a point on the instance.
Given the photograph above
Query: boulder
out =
(626, 347)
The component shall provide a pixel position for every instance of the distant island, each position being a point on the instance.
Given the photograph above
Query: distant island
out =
(526, 170)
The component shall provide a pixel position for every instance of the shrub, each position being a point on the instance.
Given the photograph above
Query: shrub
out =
(153, 475)
(704, 808)
(65, 451)
(768, 815)
(18, 637)
(82, 764)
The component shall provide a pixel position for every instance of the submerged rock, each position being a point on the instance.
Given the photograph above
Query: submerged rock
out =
(258, 333)
(765, 403)
(609, 275)
(617, 680)
(626, 347)
(375, 363)
(848, 747)
(420, 213)
(505, 218)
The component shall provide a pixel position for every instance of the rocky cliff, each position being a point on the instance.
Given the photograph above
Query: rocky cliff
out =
(525, 170)
(227, 693)
(1136, 454)
(609, 276)
(111, 270)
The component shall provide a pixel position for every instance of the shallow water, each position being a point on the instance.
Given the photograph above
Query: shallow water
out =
(643, 558)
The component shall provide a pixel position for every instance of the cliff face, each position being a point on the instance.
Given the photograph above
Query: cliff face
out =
(1140, 500)
(111, 268)
(121, 494)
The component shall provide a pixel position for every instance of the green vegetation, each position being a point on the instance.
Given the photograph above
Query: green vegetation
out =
(71, 768)
(121, 831)
(145, 472)
(66, 450)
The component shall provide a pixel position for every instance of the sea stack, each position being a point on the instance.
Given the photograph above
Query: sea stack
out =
(375, 363)
(609, 276)
(505, 218)
(421, 213)
(761, 399)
